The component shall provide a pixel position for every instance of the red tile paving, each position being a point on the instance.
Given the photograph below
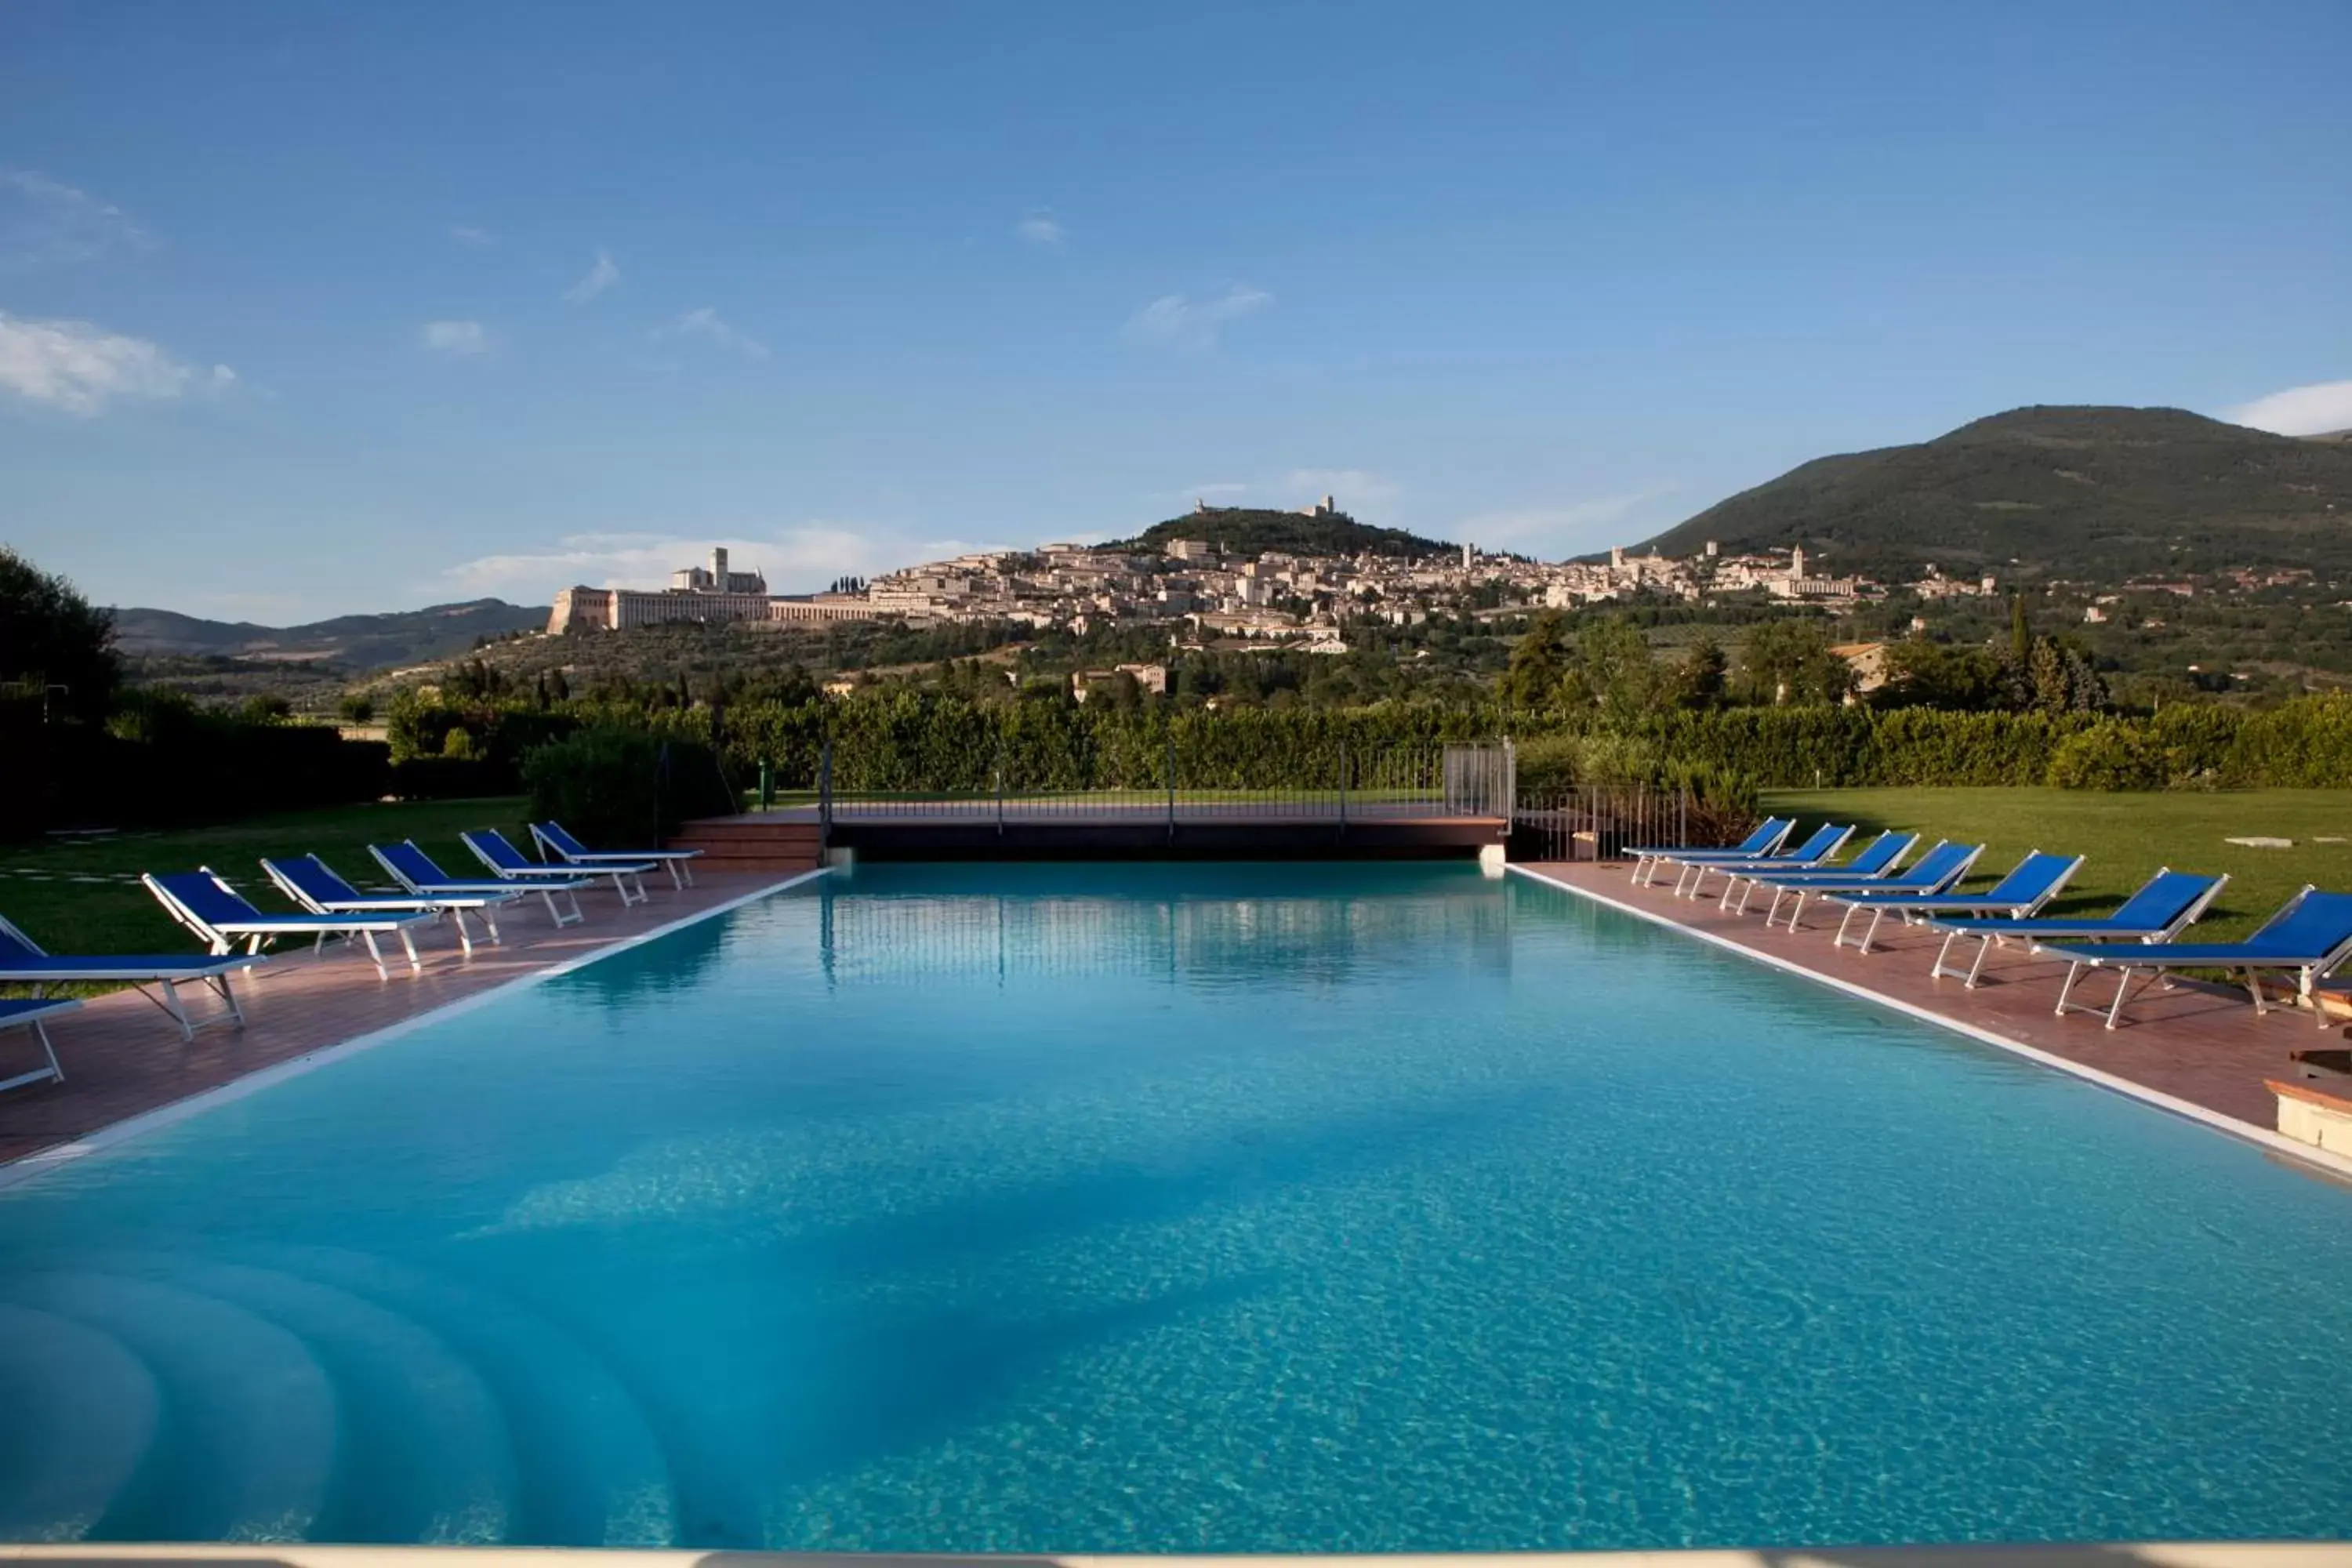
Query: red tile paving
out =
(122, 1057)
(2202, 1044)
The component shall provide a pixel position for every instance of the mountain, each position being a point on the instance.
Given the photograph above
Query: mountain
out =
(1252, 531)
(356, 642)
(2082, 492)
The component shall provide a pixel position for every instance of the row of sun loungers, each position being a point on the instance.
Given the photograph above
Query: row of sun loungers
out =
(330, 907)
(2140, 943)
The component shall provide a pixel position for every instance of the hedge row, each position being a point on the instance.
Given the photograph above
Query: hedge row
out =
(910, 741)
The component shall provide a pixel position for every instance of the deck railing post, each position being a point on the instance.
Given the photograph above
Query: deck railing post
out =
(1171, 780)
(999, 794)
(1343, 787)
(824, 797)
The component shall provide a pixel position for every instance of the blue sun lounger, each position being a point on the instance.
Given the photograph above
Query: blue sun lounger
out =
(218, 913)
(1878, 858)
(2032, 883)
(313, 884)
(553, 839)
(1768, 835)
(23, 962)
(2309, 936)
(1937, 871)
(1814, 854)
(2168, 904)
(416, 871)
(510, 864)
(21, 1013)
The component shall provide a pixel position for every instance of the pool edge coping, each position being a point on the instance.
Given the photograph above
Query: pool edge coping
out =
(2267, 1139)
(25, 1167)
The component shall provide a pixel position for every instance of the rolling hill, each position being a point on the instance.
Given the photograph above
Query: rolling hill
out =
(1249, 531)
(353, 642)
(2079, 492)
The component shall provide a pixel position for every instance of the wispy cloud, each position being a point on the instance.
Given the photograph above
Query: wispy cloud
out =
(1187, 325)
(598, 278)
(455, 340)
(1039, 228)
(80, 368)
(706, 325)
(794, 559)
(1568, 529)
(2318, 409)
(47, 223)
(480, 239)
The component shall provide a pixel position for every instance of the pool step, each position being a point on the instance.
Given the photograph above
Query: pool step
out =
(249, 1417)
(426, 1454)
(80, 1411)
(751, 843)
(292, 1393)
(592, 1471)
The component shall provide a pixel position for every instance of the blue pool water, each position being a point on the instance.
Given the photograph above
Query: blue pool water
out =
(1214, 1207)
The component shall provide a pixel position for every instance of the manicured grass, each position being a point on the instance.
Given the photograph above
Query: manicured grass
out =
(2125, 836)
(118, 915)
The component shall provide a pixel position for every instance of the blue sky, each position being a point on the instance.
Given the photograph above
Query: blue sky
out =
(307, 309)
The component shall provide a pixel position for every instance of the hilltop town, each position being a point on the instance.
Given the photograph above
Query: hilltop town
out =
(1220, 592)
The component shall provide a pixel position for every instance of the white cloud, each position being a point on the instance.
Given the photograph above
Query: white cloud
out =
(1187, 325)
(80, 368)
(794, 559)
(1039, 228)
(480, 239)
(598, 278)
(1569, 529)
(2319, 409)
(46, 223)
(457, 339)
(706, 325)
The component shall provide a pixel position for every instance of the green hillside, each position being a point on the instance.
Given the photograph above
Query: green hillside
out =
(2083, 492)
(1252, 531)
(353, 642)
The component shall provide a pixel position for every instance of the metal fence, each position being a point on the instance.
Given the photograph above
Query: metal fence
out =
(1395, 783)
(1602, 822)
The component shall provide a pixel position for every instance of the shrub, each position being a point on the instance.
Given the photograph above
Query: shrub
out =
(622, 786)
(2109, 756)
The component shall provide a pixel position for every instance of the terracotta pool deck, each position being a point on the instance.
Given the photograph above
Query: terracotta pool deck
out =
(124, 1058)
(2200, 1044)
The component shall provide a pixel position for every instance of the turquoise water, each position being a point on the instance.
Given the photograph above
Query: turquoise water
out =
(1212, 1207)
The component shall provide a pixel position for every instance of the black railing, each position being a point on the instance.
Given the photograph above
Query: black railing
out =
(1602, 822)
(1383, 783)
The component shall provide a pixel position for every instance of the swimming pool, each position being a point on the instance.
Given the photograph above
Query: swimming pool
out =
(1138, 1207)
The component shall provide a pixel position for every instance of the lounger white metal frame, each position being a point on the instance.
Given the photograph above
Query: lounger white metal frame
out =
(1947, 904)
(528, 872)
(1745, 880)
(2089, 931)
(138, 978)
(32, 1017)
(1690, 882)
(2309, 974)
(454, 905)
(1893, 881)
(1768, 835)
(545, 889)
(678, 863)
(223, 937)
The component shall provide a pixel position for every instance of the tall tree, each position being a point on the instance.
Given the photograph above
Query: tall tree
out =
(1789, 661)
(1699, 679)
(50, 637)
(1611, 668)
(1538, 660)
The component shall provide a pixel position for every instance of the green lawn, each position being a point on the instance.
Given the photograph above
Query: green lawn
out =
(118, 915)
(2125, 836)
